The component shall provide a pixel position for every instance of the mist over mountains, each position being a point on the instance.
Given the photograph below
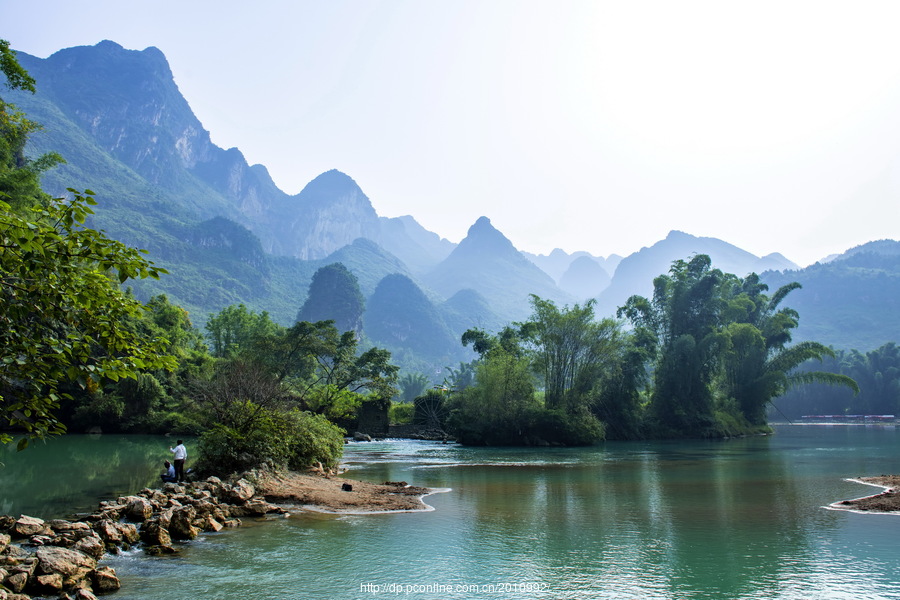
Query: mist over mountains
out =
(228, 234)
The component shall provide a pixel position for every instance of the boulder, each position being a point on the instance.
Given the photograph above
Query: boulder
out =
(6, 522)
(241, 491)
(71, 564)
(48, 584)
(258, 506)
(129, 532)
(27, 526)
(61, 525)
(205, 508)
(92, 546)
(111, 510)
(181, 525)
(16, 552)
(104, 580)
(210, 524)
(16, 582)
(173, 488)
(154, 534)
(138, 509)
(27, 566)
(108, 531)
(4, 541)
(40, 540)
(83, 594)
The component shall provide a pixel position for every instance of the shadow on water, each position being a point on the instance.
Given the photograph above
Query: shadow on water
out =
(71, 474)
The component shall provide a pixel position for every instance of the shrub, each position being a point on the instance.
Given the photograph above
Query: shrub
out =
(277, 439)
(401, 413)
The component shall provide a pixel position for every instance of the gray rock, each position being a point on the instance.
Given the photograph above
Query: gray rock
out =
(71, 564)
(49, 584)
(241, 491)
(27, 526)
(16, 582)
(105, 580)
(139, 509)
(181, 525)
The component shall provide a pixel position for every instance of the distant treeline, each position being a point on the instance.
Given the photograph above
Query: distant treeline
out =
(877, 372)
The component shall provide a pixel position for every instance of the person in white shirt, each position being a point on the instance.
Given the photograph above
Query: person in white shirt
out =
(180, 453)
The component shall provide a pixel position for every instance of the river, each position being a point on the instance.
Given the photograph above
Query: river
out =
(669, 520)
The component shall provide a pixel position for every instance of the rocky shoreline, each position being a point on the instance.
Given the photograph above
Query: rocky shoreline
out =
(61, 558)
(887, 501)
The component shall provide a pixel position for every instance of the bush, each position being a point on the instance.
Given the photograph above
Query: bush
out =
(277, 439)
(401, 413)
(535, 426)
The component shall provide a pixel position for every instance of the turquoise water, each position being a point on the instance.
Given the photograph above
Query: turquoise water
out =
(74, 473)
(686, 520)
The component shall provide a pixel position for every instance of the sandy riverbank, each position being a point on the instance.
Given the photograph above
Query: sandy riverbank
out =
(887, 501)
(327, 493)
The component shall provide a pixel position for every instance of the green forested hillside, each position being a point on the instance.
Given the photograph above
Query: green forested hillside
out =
(852, 302)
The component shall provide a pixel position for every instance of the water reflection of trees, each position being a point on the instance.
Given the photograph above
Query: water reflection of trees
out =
(72, 473)
(693, 519)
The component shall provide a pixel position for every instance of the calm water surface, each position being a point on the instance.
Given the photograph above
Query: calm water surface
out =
(686, 520)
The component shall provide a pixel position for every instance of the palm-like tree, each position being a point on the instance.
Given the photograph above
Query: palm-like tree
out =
(759, 365)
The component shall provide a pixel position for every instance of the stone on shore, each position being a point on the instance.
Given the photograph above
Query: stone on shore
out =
(16, 582)
(104, 580)
(71, 564)
(181, 523)
(241, 491)
(139, 509)
(49, 584)
(28, 526)
(92, 546)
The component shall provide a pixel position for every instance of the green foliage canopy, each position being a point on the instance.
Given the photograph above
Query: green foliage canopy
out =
(62, 315)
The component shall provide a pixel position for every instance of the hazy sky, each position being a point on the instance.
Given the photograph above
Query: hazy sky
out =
(593, 125)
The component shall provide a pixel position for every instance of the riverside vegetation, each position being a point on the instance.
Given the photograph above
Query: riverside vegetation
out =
(703, 358)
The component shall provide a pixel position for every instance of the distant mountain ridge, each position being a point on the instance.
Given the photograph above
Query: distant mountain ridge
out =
(487, 262)
(635, 273)
(228, 234)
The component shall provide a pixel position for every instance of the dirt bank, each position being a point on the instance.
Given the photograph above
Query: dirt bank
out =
(328, 493)
(887, 501)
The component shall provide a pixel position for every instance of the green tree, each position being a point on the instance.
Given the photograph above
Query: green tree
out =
(680, 328)
(497, 409)
(573, 353)
(461, 377)
(236, 328)
(63, 317)
(758, 364)
(20, 185)
(412, 385)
